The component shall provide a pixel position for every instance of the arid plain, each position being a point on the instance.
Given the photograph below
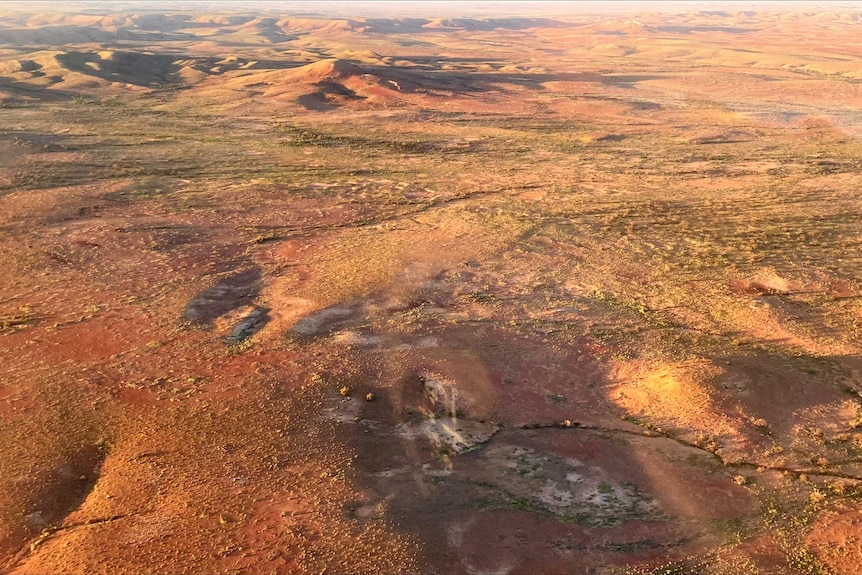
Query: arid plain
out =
(287, 292)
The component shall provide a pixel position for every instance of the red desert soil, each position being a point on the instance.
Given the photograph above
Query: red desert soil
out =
(447, 290)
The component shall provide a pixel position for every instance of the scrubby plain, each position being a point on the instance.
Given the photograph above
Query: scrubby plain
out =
(286, 292)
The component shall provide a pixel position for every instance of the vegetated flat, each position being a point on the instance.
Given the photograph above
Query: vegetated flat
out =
(296, 293)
